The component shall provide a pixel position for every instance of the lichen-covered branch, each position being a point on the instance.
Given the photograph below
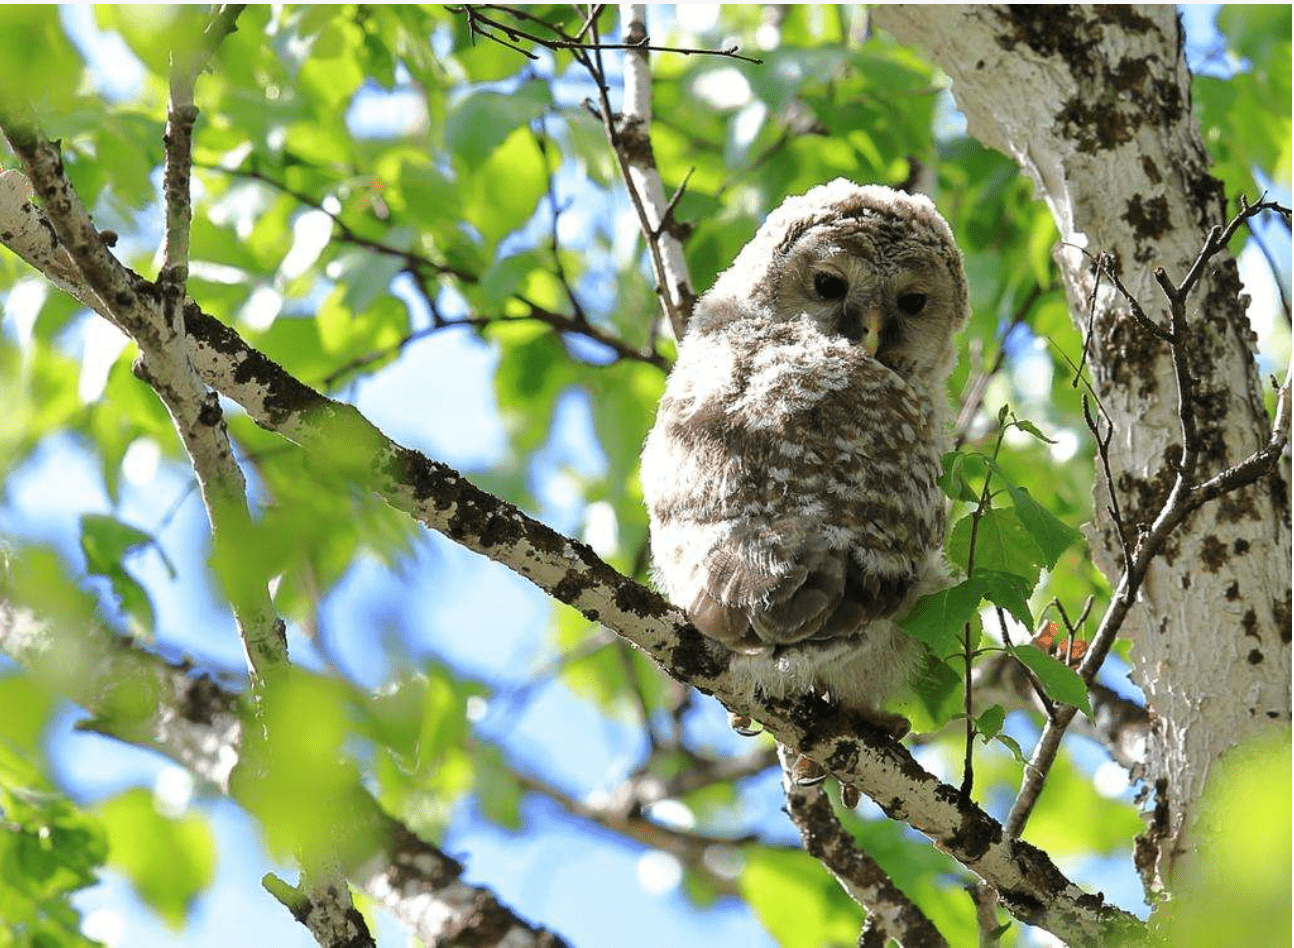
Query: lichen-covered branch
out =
(890, 913)
(152, 315)
(333, 920)
(182, 113)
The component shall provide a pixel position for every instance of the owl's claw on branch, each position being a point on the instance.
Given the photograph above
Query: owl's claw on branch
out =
(742, 724)
(807, 772)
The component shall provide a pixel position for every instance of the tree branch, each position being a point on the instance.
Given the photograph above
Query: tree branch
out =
(890, 913)
(1029, 883)
(182, 113)
(151, 314)
(333, 920)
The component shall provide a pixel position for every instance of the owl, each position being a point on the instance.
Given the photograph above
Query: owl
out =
(790, 475)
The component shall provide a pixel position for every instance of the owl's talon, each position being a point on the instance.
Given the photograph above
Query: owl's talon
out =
(742, 724)
(849, 796)
(807, 773)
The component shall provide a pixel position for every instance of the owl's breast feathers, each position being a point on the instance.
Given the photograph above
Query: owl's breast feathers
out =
(791, 483)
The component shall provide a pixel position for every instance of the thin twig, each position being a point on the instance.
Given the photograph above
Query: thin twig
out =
(976, 388)
(475, 19)
(182, 113)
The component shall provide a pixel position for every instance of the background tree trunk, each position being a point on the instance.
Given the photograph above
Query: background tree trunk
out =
(1095, 106)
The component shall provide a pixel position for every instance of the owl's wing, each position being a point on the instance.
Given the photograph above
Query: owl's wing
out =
(760, 589)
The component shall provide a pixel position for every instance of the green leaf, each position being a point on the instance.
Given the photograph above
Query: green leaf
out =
(1239, 890)
(939, 618)
(1052, 536)
(497, 789)
(1031, 428)
(1008, 590)
(106, 541)
(1011, 744)
(936, 695)
(49, 850)
(169, 861)
(989, 723)
(499, 195)
(294, 775)
(1059, 680)
(32, 45)
(27, 710)
(953, 479)
(796, 900)
(1001, 543)
(480, 122)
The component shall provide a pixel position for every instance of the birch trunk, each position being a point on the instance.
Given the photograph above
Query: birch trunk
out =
(1094, 104)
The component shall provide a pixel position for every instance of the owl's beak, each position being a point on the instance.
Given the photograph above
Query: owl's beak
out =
(873, 323)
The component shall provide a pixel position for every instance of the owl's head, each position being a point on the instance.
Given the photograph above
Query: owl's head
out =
(872, 265)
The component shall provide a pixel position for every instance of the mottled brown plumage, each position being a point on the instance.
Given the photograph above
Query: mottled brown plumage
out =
(790, 475)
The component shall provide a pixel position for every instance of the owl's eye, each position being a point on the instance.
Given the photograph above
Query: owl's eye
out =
(829, 286)
(912, 303)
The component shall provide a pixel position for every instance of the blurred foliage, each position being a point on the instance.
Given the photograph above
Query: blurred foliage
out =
(49, 847)
(1236, 888)
(369, 175)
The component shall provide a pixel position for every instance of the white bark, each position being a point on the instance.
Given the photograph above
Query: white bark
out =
(674, 282)
(1094, 105)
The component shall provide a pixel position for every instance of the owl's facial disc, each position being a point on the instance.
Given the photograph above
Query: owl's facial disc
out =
(859, 321)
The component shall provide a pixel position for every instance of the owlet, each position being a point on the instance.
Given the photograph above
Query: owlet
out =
(790, 474)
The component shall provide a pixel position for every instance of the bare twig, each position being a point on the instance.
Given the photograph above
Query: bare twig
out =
(481, 23)
(973, 396)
